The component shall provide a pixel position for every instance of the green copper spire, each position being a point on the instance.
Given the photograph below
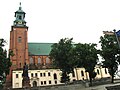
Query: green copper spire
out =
(20, 16)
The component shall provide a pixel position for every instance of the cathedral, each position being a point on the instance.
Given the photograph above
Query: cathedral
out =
(36, 56)
(33, 54)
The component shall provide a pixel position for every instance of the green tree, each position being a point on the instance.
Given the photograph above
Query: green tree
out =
(85, 55)
(4, 62)
(110, 53)
(62, 58)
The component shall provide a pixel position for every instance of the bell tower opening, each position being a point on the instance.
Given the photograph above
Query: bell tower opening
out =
(19, 17)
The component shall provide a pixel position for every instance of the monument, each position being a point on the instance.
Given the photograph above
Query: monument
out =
(26, 80)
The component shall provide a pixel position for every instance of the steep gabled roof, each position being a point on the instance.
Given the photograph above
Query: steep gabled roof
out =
(39, 48)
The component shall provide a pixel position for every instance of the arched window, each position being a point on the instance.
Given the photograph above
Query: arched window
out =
(31, 60)
(48, 73)
(34, 83)
(82, 73)
(47, 60)
(20, 17)
(55, 82)
(98, 72)
(73, 74)
(39, 60)
(19, 39)
(105, 71)
(55, 76)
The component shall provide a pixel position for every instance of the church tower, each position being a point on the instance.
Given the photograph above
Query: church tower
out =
(18, 44)
(18, 40)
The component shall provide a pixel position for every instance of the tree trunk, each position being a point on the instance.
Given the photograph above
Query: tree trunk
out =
(112, 75)
(90, 76)
(112, 80)
(90, 81)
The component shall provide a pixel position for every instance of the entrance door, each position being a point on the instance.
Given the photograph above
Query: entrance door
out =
(34, 83)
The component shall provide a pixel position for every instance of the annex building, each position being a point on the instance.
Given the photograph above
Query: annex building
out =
(36, 55)
(48, 77)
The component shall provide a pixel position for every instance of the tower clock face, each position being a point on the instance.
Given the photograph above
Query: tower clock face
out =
(19, 22)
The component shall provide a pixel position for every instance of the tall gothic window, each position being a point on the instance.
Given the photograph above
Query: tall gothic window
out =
(47, 60)
(31, 60)
(55, 76)
(98, 72)
(39, 60)
(105, 71)
(82, 73)
(19, 39)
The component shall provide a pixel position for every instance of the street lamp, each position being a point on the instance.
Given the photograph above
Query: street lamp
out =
(117, 34)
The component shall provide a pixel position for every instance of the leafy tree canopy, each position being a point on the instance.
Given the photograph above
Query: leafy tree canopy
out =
(85, 55)
(4, 61)
(62, 58)
(110, 53)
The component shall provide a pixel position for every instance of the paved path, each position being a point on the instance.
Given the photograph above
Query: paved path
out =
(100, 87)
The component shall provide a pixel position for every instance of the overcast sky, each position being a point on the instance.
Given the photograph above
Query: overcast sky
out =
(51, 20)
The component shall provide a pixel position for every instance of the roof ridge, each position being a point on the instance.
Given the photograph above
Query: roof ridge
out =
(39, 43)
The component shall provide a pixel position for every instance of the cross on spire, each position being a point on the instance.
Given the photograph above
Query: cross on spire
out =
(20, 3)
(20, 6)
